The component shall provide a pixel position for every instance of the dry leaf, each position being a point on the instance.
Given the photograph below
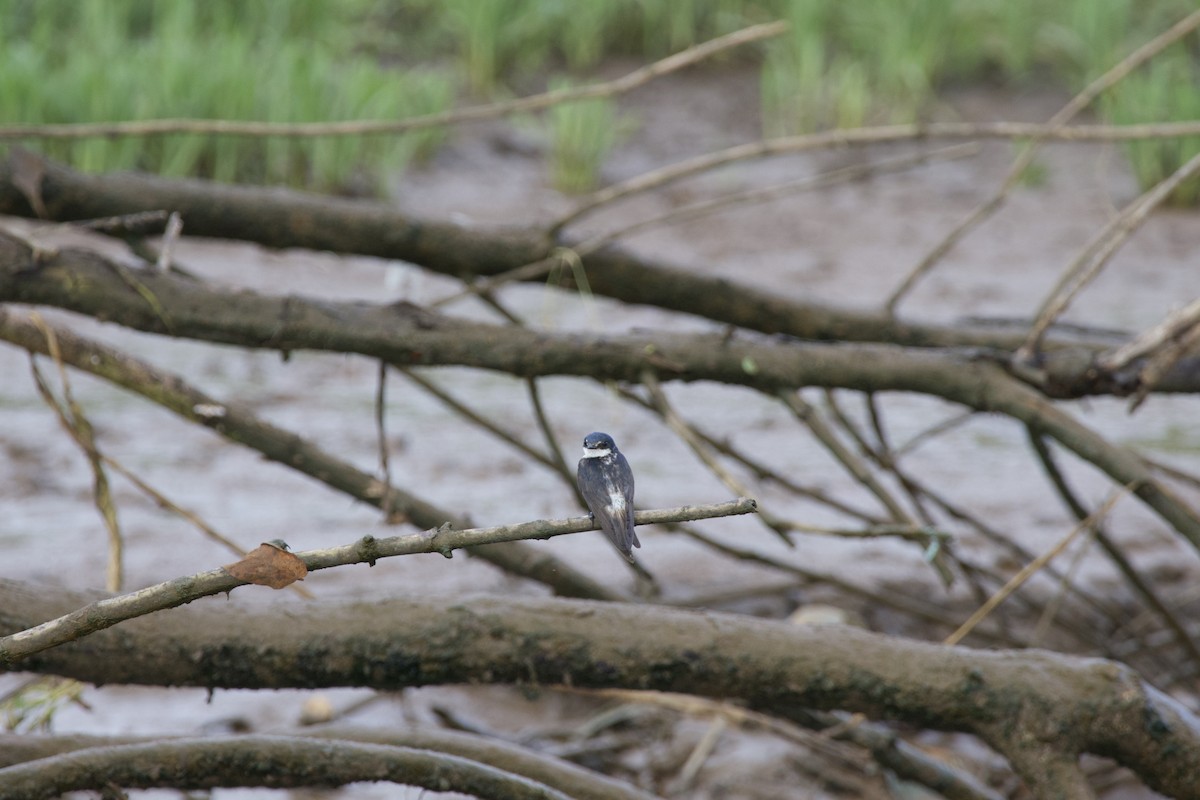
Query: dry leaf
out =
(268, 565)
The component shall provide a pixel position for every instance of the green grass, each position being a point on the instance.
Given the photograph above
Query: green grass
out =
(582, 134)
(845, 63)
(269, 60)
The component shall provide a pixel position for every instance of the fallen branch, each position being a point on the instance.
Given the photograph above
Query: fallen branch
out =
(274, 761)
(1078, 103)
(240, 425)
(407, 335)
(282, 219)
(560, 775)
(367, 550)
(884, 134)
(1039, 709)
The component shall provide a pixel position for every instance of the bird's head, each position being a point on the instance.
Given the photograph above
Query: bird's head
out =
(597, 445)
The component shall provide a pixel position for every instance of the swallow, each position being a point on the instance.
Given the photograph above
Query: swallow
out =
(606, 483)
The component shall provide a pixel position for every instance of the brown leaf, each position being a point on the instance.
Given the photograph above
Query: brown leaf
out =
(268, 565)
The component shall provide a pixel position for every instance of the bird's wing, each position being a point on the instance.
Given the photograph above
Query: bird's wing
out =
(617, 524)
(625, 483)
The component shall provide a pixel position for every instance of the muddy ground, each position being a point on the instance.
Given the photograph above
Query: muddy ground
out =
(846, 246)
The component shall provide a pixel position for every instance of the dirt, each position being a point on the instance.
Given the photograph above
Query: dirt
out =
(849, 246)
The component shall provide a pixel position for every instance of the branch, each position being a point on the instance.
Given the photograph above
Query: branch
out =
(284, 447)
(405, 334)
(846, 137)
(283, 219)
(274, 761)
(170, 594)
(1078, 103)
(560, 775)
(231, 127)
(1036, 707)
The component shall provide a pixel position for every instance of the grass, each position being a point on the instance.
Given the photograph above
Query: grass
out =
(582, 134)
(272, 60)
(845, 63)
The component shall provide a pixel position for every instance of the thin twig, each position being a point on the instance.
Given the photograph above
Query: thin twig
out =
(890, 599)
(165, 502)
(556, 455)
(626, 83)
(684, 431)
(166, 253)
(77, 425)
(762, 471)
(1170, 328)
(742, 199)
(1124, 565)
(1030, 569)
(853, 465)
(879, 452)
(478, 419)
(676, 216)
(1087, 265)
(1064, 115)
(112, 610)
(883, 134)
(385, 467)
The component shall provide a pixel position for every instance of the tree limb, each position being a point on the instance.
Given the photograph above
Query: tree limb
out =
(240, 425)
(1020, 702)
(280, 218)
(563, 776)
(274, 761)
(367, 550)
(522, 105)
(407, 335)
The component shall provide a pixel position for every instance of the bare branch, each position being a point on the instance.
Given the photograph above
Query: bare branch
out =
(847, 137)
(169, 594)
(405, 334)
(227, 127)
(560, 775)
(1010, 699)
(279, 218)
(275, 761)
(1078, 103)
(240, 425)
(1030, 569)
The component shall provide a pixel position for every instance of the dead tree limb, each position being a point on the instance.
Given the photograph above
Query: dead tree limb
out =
(408, 335)
(280, 218)
(170, 594)
(404, 334)
(274, 761)
(1039, 709)
(240, 425)
(563, 776)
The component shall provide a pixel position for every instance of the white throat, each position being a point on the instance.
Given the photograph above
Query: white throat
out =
(598, 452)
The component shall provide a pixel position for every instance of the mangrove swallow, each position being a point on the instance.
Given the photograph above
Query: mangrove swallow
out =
(606, 483)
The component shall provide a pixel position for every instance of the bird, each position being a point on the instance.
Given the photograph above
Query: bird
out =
(606, 483)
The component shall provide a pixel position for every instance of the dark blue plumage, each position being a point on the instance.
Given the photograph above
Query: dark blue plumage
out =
(606, 483)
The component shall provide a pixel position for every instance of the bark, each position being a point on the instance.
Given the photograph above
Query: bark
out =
(562, 776)
(282, 218)
(274, 761)
(244, 427)
(1040, 709)
(408, 335)
(367, 550)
